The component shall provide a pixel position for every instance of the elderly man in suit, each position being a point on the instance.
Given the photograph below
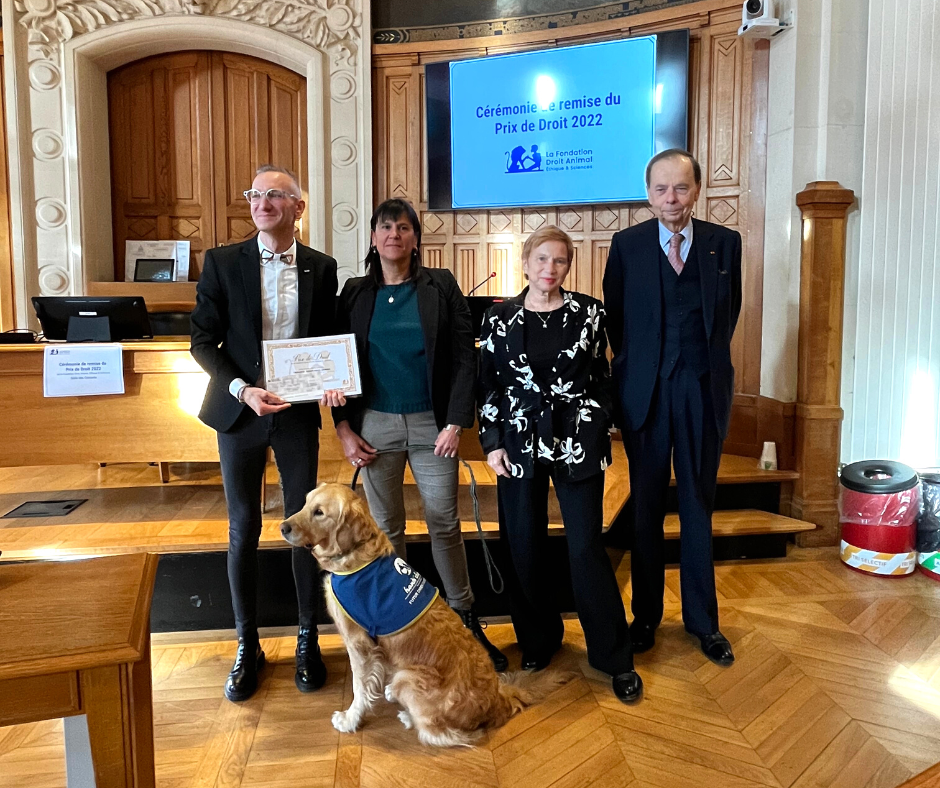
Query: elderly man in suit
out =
(268, 287)
(672, 289)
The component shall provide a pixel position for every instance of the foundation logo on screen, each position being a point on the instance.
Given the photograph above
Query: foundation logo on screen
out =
(519, 159)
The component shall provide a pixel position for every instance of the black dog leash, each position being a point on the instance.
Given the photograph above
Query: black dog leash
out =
(491, 567)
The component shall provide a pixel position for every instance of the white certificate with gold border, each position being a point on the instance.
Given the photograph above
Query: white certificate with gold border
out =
(300, 370)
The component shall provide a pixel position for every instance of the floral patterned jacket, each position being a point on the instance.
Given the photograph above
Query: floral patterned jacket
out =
(566, 425)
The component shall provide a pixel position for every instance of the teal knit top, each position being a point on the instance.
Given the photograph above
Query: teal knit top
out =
(397, 359)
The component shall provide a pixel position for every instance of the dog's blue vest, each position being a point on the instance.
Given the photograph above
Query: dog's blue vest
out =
(383, 597)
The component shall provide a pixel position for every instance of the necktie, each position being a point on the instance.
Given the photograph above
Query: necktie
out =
(272, 257)
(675, 260)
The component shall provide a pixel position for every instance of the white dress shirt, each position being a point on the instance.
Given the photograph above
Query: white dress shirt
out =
(279, 300)
(686, 233)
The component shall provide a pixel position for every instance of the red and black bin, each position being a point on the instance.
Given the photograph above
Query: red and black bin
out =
(879, 503)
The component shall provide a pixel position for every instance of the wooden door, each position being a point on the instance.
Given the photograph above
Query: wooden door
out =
(259, 115)
(161, 162)
(188, 131)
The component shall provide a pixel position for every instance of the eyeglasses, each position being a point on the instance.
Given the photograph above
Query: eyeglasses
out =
(253, 195)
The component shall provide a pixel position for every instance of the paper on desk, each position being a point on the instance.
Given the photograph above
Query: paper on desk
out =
(73, 370)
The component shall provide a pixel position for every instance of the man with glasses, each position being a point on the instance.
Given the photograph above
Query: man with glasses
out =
(268, 287)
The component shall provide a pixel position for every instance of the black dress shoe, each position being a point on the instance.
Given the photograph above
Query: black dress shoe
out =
(628, 686)
(642, 637)
(473, 623)
(538, 660)
(311, 672)
(243, 680)
(717, 648)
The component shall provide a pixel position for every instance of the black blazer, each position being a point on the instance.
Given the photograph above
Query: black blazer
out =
(634, 300)
(567, 423)
(226, 323)
(448, 344)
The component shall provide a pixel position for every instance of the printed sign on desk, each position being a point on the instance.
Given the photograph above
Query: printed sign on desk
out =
(73, 370)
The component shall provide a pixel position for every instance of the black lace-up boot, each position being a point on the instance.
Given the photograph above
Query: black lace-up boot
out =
(243, 680)
(471, 622)
(311, 672)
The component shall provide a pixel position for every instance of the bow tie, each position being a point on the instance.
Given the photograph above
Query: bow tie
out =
(272, 257)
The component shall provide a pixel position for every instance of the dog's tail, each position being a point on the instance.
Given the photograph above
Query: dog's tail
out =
(523, 688)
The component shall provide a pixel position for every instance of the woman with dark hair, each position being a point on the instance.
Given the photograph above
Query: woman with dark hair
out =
(546, 402)
(415, 342)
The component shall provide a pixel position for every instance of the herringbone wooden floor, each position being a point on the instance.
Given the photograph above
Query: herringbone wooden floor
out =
(836, 685)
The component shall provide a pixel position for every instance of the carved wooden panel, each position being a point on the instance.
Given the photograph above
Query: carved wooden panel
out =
(467, 270)
(142, 228)
(188, 131)
(160, 152)
(466, 223)
(507, 267)
(433, 255)
(724, 86)
(571, 220)
(259, 115)
(724, 124)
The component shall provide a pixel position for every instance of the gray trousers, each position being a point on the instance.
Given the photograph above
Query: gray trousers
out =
(437, 481)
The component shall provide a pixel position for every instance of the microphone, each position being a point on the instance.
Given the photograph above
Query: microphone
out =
(491, 276)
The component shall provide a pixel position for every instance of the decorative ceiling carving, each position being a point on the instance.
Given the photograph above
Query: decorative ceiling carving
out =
(329, 25)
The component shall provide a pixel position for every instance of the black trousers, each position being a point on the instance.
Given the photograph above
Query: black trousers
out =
(680, 427)
(294, 436)
(523, 523)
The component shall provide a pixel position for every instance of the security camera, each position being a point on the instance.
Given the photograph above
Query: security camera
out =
(758, 20)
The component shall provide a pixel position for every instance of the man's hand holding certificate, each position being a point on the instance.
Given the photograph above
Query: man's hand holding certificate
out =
(302, 370)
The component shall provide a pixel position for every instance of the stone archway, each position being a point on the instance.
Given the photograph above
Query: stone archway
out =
(58, 128)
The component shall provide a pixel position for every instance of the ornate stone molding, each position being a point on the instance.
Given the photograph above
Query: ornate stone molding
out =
(329, 25)
(427, 19)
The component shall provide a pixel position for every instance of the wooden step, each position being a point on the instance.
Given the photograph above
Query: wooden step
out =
(744, 522)
(130, 510)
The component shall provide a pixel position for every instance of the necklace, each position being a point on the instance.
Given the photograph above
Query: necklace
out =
(544, 320)
(391, 298)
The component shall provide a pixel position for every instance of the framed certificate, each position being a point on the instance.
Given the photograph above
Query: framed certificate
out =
(300, 370)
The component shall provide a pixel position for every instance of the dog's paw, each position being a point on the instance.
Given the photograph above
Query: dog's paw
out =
(345, 722)
(389, 696)
(406, 720)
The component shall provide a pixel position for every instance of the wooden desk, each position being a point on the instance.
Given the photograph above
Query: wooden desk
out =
(75, 639)
(155, 420)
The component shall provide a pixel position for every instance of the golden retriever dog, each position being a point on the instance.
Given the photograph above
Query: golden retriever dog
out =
(434, 668)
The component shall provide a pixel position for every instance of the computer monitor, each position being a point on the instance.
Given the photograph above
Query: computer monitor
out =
(93, 318)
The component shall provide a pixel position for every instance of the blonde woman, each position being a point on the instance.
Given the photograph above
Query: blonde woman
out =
(544, 415)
